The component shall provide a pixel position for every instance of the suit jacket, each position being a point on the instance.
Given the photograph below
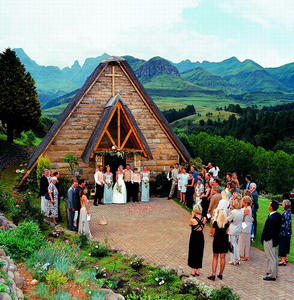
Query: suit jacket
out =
(77, 201)
(44, 183)
(271, 229)
(255, 203)
(71, 197)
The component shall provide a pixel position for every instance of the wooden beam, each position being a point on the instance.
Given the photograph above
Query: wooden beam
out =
(110, 137)
(126, 139)
(113, 75)
(118, 125)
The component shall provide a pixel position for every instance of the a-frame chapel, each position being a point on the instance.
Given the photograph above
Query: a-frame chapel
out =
(111, 109)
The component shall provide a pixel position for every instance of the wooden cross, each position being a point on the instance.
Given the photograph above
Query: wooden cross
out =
(113, 75)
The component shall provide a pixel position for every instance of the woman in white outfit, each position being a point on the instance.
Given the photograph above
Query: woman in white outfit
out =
(119, 189)
(235, 230)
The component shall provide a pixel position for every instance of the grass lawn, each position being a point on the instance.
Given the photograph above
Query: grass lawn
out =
(20, 141)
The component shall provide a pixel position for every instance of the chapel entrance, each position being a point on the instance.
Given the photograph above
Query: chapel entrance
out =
(114, 162)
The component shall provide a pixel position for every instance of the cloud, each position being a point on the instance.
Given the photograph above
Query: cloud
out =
(267, 13)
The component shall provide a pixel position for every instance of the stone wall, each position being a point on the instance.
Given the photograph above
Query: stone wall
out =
(9, 268)
(77, 130)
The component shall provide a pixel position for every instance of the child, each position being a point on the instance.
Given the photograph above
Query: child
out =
(136, 179)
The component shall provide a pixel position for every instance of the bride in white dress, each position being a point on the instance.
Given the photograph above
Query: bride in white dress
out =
(119, 189)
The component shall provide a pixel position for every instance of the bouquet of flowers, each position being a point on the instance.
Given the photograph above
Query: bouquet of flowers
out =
(118, 188)
(109, 184)
(146, 182)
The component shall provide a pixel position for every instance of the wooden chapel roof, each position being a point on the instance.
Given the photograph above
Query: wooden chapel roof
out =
(65, 115)
(106, 114)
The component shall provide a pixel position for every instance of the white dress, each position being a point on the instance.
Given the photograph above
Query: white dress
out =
(119, 191)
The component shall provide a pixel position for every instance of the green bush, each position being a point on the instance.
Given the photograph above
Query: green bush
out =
(42, 164)
(224, 293)
(71, 160)
(28, 137)
(82, 240)
(42, 291)
(64, 296)
(22, 241)
(24, 209)
(55, 279)
(99, 251)
(6, 202)
(64, 184)
(160, 186)
(162, 276)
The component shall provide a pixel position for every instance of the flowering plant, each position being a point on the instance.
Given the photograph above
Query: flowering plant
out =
(119, 188)
(119, 152)
(109, 184)
(146, 182)
(100, 272)
(136, 264)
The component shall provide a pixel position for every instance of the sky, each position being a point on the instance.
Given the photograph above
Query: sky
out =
(58, 32)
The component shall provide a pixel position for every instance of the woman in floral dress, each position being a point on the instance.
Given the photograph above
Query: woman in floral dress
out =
(108, 182)
(52, 211)
(145, 178)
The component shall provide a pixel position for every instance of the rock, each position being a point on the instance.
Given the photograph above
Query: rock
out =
(34, 282)
(2, 252)
(19, 280)
(5, 296)
(12, 268)
(13, 288)
(19, 293)
(10, 275)
(4, 268)
(113, 296)
(179, 272)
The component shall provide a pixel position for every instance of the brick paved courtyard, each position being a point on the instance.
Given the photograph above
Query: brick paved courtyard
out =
(158, 231)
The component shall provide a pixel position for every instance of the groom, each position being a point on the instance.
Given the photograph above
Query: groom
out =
(128, 181)
(99, 186)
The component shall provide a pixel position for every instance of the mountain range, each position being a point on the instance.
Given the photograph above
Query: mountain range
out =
(163, 78)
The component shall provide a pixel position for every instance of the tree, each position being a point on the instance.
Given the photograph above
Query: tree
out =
(20, 108)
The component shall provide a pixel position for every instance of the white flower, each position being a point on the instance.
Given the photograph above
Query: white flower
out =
(113, 147)
(17, 171)
(89, 254)
(161, 282)
(156, 279)
(96, 246)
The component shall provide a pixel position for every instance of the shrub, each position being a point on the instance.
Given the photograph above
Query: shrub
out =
(25, 210)
(224, 293)
(160, 186)
(99, 251)
(22, 241)
(42, 291)
(29, 137)
(137, 263)
(163, 275)
(6, 202)
(55, 279)
(64, 296)
(42, 164)
(82, 240)
(71, 160)
(64, 184)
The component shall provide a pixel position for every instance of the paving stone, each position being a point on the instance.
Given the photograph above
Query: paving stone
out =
(159, 232)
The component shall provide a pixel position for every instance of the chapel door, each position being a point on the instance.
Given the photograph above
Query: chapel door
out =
(114, 162)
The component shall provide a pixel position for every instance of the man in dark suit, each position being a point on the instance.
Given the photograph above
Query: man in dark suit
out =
(44, 183)
(77, 202)
(71, 198)
(270, 240)
(248, 179)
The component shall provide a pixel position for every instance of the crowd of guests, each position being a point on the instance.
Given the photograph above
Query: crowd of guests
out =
(125, 187)
(232, 213)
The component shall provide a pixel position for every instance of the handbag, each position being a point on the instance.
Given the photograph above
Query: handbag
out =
(231, 247)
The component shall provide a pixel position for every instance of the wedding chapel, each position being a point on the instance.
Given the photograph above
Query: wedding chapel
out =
(111, 121)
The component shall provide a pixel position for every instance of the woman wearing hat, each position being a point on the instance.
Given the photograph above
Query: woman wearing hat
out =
(52, 211)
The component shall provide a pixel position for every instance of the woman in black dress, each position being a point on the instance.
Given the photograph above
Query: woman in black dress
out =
(190, 190)
(196, 244)
(220, 243)
(205, 199)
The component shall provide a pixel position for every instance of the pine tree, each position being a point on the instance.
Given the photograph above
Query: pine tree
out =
(20, 108)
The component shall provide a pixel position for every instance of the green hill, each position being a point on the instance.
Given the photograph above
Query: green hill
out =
(134, 62)
(285, 74)
(203, 78)
(60, 100)
(255, 81)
